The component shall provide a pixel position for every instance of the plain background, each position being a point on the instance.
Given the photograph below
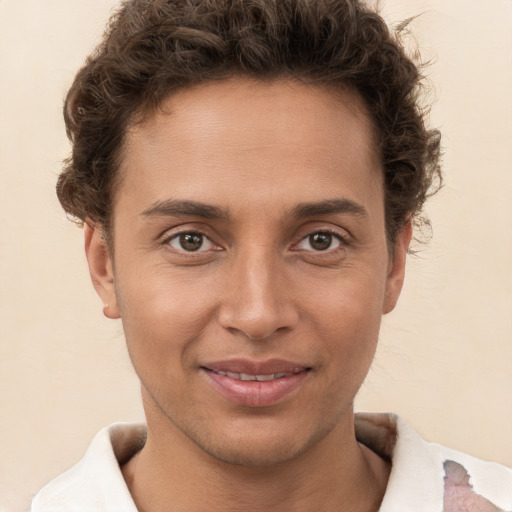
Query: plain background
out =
(445, 355)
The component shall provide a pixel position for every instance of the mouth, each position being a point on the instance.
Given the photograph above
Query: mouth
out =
(256, 384)
(260, 378)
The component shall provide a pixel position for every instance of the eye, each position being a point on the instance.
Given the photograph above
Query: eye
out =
(320, 241)
(191, 242)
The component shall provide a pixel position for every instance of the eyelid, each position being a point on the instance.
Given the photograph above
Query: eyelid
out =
(174, 233)
(343, 237)
(335, 238)
(206, 244)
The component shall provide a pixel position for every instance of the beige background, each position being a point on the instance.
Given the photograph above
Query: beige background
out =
(445, 359)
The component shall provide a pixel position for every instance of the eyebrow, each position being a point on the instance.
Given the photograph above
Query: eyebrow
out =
(172, 207)
(329, 207)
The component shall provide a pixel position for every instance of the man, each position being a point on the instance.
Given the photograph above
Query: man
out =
(249, 174)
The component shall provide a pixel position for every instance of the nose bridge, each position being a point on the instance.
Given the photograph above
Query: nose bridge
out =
(257, 302)
(258, 276)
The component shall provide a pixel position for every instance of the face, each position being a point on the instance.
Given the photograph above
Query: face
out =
(250, 265)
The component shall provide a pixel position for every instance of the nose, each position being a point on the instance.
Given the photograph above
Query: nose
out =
(258, 301)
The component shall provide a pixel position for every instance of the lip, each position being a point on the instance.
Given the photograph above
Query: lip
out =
(256, 393)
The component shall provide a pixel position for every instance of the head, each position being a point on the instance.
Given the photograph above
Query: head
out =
(249, 173)
(154, 48)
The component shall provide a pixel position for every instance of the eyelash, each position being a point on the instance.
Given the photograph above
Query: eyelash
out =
(184, 253)
(343, 242)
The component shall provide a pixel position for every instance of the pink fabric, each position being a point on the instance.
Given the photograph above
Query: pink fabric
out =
(458, 492)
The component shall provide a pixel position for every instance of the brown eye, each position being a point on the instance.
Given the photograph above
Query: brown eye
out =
(320, 241)
(190, 242)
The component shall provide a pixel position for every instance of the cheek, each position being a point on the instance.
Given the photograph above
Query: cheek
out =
(163, 314)
(348, 318)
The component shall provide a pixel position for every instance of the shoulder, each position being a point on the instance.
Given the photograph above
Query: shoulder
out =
(428, 476)
(95, 483)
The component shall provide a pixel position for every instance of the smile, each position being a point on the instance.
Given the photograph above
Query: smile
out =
(259, 378)
(256, 384)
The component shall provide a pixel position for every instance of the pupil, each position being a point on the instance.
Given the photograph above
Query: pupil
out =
(191, 241)
(320, 241)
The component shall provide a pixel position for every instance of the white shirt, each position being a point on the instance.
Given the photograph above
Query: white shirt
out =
(425, 477)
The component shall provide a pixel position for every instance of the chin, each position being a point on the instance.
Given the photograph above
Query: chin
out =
(259, 442)
(255, 452)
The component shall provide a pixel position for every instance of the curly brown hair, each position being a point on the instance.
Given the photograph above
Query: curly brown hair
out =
(152, 48)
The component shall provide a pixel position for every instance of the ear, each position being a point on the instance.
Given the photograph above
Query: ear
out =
(101, 268)
(396, 268)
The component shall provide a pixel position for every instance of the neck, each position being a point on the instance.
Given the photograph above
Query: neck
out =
(335, 474)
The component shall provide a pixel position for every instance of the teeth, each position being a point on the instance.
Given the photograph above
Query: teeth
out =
(263, 378)
(259, 378)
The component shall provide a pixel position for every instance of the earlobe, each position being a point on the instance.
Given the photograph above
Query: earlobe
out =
(396, 270)
(101, 268)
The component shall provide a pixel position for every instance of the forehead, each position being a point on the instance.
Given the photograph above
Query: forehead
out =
(255, 141)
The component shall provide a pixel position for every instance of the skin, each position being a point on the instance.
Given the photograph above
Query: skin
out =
(259, 288)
